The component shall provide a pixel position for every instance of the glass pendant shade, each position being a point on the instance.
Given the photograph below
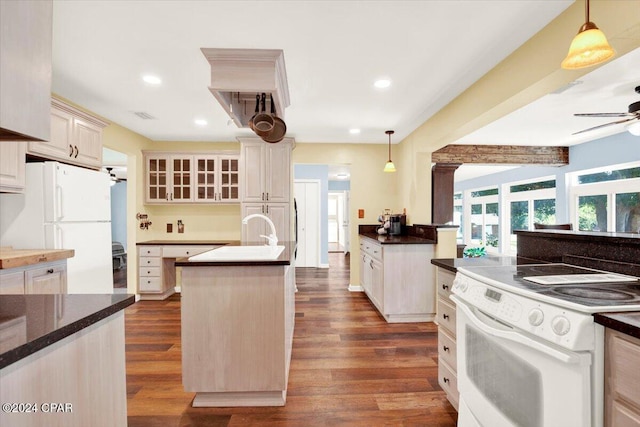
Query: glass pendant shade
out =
(389, 167)
(589, 47)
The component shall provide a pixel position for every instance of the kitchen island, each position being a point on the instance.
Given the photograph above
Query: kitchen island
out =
(237, 329)
(62, 360)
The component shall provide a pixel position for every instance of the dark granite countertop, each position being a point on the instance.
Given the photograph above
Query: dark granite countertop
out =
(50, 318)
(285, 257)
(627, 323)
(398, 240)
(188, 242)
(593, 236)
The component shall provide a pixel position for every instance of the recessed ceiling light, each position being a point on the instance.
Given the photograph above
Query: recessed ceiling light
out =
(382, 83)
(200, 122)
(354, 131)
(151, 79)
(342, 175)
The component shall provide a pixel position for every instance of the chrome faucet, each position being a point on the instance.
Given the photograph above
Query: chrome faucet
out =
(272, 238)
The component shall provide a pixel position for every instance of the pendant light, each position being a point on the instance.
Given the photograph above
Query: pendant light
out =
(389, 167)
(589, 47)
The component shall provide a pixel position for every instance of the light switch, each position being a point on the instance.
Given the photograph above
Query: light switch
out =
(360, 213)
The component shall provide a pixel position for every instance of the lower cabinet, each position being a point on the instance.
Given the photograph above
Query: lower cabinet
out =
(622, 380)
(398, 280)
(157, 270)
(44, 278)
(447, 348)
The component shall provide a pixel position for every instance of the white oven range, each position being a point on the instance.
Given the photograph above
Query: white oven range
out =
(529, 351)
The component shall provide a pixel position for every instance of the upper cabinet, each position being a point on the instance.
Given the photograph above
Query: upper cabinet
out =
(76, 137)
(12, 166)
(266, 170)
(191, 178)
(25, 70)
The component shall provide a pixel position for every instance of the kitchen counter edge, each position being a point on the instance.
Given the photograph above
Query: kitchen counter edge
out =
(88, 309)
(627, 322)
(285, 258)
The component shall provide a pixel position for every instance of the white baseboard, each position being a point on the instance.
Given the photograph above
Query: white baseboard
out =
(177, 289)
(355, 288)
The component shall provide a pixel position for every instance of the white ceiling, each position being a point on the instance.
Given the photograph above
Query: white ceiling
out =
(334, 51)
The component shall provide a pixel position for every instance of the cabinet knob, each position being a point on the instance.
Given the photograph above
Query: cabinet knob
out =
(445, 287)
(445, 316)
(187, 252)
(445, 348)
(50, 271)
(70, 150)
(445, 379)
(76, 156)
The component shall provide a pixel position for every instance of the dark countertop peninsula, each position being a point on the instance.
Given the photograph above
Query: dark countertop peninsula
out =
(285, 257)
(452, 264)
(50, 318)
(627, 323)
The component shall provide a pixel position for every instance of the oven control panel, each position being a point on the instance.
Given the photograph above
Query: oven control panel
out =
(567, 328)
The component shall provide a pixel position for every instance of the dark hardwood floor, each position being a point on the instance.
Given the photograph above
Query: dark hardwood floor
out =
(348, 368)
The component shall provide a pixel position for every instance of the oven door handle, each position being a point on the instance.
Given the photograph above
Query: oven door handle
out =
(508, 334)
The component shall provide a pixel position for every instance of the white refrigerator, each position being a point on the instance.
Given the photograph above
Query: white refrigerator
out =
(64, 207)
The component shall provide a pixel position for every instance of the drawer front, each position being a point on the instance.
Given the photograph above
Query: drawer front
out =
(150, 284)
(624, 359)
(149, 271)
(374, 250)
(448, 381)
(184, 251)
(447, 349)
(150, 250)
(447, 316)
(146, 261)
(445, 282)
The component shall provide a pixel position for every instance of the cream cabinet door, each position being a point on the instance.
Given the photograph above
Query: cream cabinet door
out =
(61, 145)
(278, 173)
(253, 172)
(12, 283)
(46, 280)
(12, 166)
(88, 143)
(279, 214)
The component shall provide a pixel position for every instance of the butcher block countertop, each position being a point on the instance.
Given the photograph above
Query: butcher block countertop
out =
(11, 258)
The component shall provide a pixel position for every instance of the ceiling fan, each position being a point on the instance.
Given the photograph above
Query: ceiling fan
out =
(114, 178)
(633, 114)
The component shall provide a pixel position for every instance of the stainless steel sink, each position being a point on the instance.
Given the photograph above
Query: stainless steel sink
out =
(240, 253)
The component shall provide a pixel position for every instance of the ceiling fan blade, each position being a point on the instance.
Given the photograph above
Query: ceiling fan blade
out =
(603, 114)
(605, 125)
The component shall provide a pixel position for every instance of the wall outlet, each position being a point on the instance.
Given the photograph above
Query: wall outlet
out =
(169, 228)
(360, 213)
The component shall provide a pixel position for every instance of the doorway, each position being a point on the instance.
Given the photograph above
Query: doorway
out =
(307, 197)
(338, 221)
(115, 164)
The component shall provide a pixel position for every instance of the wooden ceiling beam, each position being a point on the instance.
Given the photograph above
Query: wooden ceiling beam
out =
(502, 154)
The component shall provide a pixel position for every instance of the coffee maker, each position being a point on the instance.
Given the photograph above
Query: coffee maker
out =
(396, 224)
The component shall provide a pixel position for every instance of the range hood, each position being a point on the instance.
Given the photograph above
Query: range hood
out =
(238, 75)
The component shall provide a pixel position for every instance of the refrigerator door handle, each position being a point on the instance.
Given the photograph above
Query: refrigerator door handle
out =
(60, 213)
(60, 237)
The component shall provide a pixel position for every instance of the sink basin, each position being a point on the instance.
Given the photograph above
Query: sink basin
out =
(240, 253)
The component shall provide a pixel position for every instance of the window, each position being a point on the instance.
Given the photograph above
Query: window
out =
(607, 199)
(483, 224)
(458, 218)
(528, 202)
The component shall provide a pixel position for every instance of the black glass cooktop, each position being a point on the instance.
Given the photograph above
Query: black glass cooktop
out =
(609, 294)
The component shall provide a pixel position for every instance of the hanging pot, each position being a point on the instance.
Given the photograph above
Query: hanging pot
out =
(279, 127)
(263, 122)
(256, 113)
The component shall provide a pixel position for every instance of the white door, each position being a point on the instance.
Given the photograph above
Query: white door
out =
(346, 228)
(307, 194)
